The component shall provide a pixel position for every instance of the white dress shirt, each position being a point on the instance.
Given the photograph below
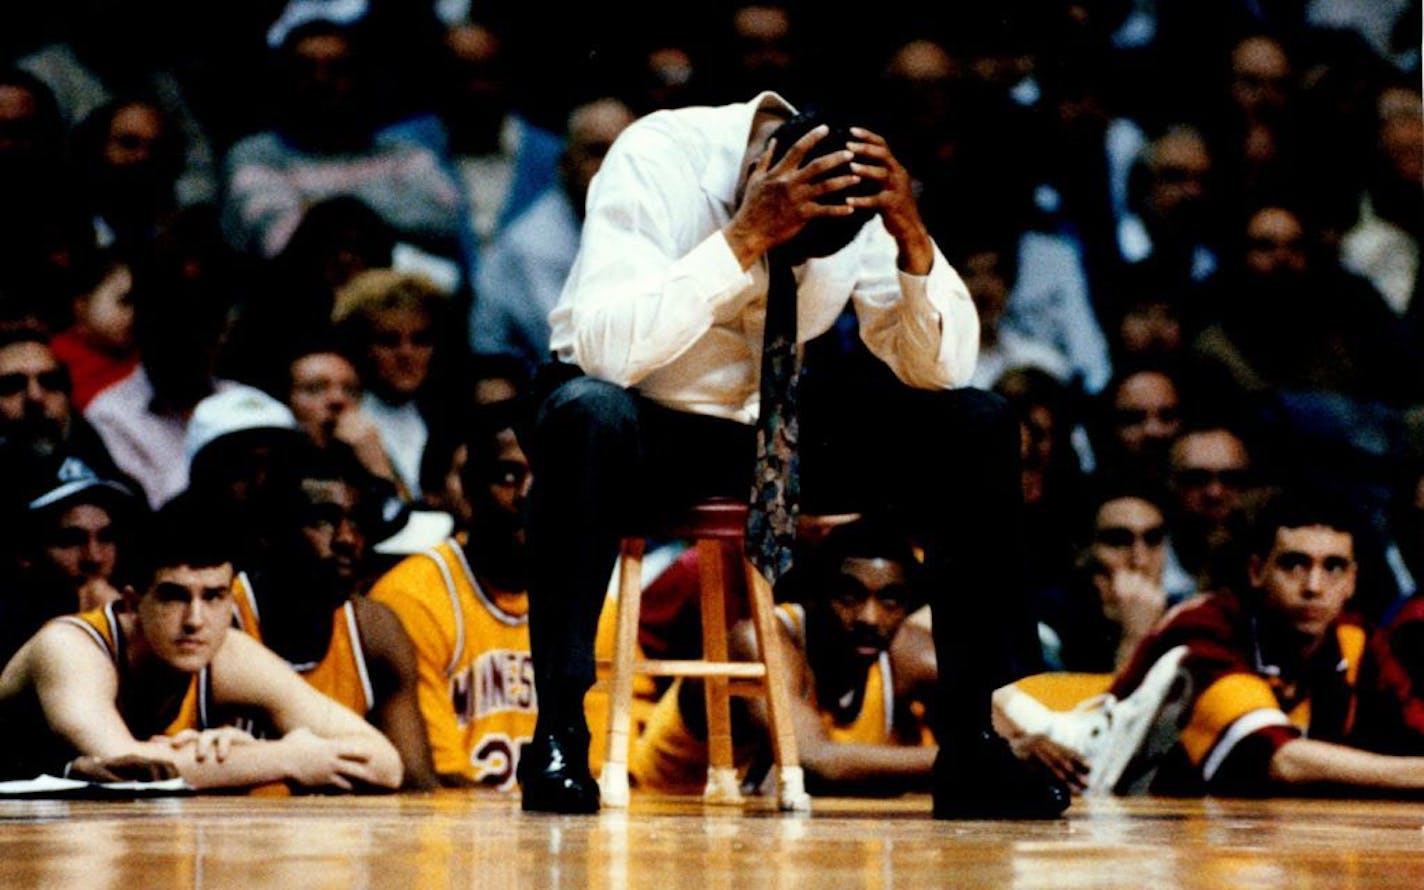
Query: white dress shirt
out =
(656, 299)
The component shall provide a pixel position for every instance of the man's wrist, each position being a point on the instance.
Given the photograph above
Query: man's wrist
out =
(747, 247)
(916, 253)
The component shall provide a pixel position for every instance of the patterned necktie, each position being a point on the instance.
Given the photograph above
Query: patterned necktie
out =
(771, 515)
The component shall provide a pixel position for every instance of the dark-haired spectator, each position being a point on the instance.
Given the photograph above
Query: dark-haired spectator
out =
(1209, 475)
(143, 418)
(327, 141)
(1150, 325)
(498, 161)
(72, 530)
(1054, 485)
(112, 49)
(32, 136)
(325, 394)
(38, 420)
(1139, 413)
(129, 156)
(1116, 594)
(1256, 132)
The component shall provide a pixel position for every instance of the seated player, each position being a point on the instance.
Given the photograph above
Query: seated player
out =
(464, 605)
(158, 678)
(854, 668)
(304, 605)
(1273, 672)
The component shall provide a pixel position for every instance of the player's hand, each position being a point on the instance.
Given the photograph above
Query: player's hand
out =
(214, 743)
(894, 201)
(1065, 763)
(316, 762)
(781, 198)
(127, 768)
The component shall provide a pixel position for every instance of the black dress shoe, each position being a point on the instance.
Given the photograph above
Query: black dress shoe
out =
(982, 779)
(554, 776)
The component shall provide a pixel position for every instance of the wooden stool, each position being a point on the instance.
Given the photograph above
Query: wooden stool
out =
(713, 526)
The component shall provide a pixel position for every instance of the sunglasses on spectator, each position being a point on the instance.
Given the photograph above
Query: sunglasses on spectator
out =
(14, 383)
(1201, 477)
(1122, 536)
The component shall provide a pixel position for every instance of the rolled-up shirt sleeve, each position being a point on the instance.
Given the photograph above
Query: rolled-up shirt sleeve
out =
(924, 327)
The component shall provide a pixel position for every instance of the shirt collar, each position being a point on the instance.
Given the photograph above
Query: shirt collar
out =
(725, 169)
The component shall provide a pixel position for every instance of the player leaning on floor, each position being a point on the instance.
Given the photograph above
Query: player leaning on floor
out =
(1274, 670)
(854, 669)
(157, 679)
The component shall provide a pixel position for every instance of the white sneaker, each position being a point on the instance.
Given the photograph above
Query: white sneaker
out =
(1084, 729)
(1150, 715)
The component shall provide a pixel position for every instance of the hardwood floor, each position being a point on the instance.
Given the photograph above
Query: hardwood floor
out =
(458, 840)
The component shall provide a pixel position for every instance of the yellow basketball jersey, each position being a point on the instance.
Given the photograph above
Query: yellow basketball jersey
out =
(476, 677)
(341, 673)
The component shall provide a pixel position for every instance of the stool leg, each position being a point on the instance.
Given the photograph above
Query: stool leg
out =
(790, 782)
(613, 780)
(722, 785)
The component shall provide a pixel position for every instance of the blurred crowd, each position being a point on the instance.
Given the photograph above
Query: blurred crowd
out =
(1192, 231)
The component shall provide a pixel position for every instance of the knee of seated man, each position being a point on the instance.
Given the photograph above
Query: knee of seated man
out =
(968, 414)
(586, 404)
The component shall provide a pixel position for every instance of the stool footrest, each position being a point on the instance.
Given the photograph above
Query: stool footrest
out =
(743, 670)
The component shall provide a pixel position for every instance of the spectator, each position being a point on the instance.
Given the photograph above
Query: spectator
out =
(1209, 475)
(498, 160)
(325, 395)
(37, 416)
(130, 156)
(325, 142)
(1116, 595)
(525, 267)
(99, 347)
(71, 536)
(143, 418)
(116, 49)
(1140, 413)
(395, 323)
